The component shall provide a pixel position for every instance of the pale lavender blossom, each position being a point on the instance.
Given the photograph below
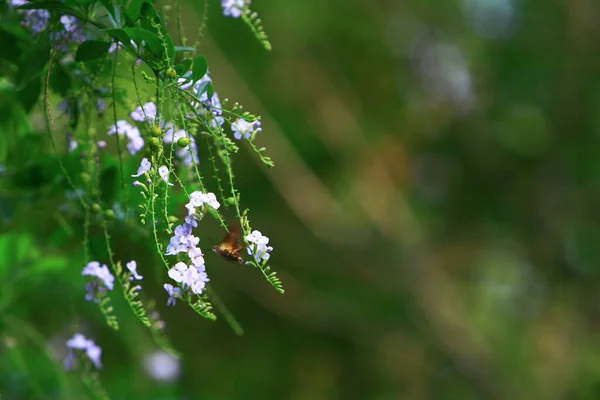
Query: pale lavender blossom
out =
(198, 198)
(163, 171)
(197, 257)
(100, 105)
(242, 128)
(136, 144)
(36, 20)
(177, 272)
(233, 8)
(162, 366)
(80, 342)
(132, 267)
(101, 272)
(173, 292)
(144, 167)
(259, 249)
(147, 112)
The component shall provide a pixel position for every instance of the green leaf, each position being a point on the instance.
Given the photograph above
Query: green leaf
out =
(120, 35)
(181, 49)
(44, 5)
(51, 6)
(60, 80)
(203, 88)
(134, 11)
(151, 21)
(152, 41)
(199, 68)
(48, 264)
(92, 50)
(150, 18)
(30, 94)
(183, 66)
(33, 65)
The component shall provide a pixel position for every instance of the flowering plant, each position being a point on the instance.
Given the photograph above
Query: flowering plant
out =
(116, 87)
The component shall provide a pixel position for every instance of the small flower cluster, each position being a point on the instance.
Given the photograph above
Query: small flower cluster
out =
(192, 276)
(136, 142)
(72, 32)
(36, 20)
(147, 112)
(259, 248)
(104, 282)
(242, 128)
(144, 169)
(80, 342)
(213, 104)
(233, 8)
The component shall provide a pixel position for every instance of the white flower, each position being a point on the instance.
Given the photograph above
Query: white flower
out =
(144, 167)
(163, 171)
(132, 267)
(177, 272)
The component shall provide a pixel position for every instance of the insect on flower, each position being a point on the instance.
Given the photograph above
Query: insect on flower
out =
(230, 249)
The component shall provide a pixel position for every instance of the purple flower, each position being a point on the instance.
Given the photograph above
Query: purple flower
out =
(136, 143)
(80, 342)
(100, 105)
(173, 292)
(36, 20)
(241, 127)
(198, 198)
(259, 249)
(132, 267)
(101, 272)
(145, 166)
(145, 113)
(197, 257)
(232, 8)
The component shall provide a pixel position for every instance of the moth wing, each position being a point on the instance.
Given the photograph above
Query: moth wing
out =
(232, 238)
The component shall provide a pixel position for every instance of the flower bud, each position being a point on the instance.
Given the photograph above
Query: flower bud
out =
(155, 131)
(183, 142)
(173, 219)
(154, 143)
(230, 201)
(171, 74)
(109, 214)
(85, 177)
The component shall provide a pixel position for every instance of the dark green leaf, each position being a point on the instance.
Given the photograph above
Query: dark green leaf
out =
(134, 11)
(210, 91)
(34, 64)
(92, 50)
(199, 68)
(202, 88)
(181, 49)
(60, 80)
(120, 35)
(183, 66)
(152, 41)
(51, 5)
(150, 20)
(30, 94)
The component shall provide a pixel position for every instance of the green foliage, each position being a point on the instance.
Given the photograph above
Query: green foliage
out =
(92, 50)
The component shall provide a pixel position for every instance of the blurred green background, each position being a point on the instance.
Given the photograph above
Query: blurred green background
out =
(433, 210)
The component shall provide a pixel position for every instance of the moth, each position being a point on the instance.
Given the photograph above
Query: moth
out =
(230, 248)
